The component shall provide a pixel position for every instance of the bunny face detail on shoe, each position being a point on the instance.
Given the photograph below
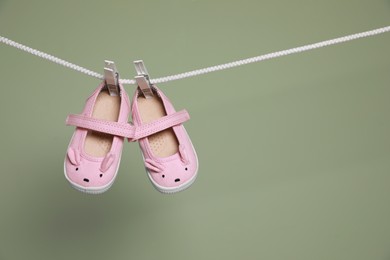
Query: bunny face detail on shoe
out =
(170, 174)
(90, 173)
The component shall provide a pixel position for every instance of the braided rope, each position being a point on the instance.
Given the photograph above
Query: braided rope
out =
(204, 70)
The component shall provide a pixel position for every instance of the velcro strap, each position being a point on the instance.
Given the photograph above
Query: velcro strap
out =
(160, 124)
(103, 126)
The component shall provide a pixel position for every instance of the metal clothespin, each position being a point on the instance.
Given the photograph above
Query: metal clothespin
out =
(111, 76)
(142, 79)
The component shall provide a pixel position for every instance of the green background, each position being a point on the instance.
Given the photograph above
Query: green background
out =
(294, 152)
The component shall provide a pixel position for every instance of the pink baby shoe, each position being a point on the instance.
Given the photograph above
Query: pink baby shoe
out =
(94, 153)
(169, 156)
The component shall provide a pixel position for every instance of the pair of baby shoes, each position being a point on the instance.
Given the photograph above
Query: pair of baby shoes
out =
(94, 153)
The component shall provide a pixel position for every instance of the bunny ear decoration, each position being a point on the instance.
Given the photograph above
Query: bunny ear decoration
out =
(107, 162)
(74, 156)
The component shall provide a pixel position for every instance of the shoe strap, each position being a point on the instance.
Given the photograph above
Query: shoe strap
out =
(103, 126)
(160, 124)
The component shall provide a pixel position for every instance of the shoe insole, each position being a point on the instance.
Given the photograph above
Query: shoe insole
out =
(106, 108)
(164, 143)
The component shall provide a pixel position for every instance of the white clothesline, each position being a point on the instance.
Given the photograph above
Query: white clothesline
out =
(204, 70)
